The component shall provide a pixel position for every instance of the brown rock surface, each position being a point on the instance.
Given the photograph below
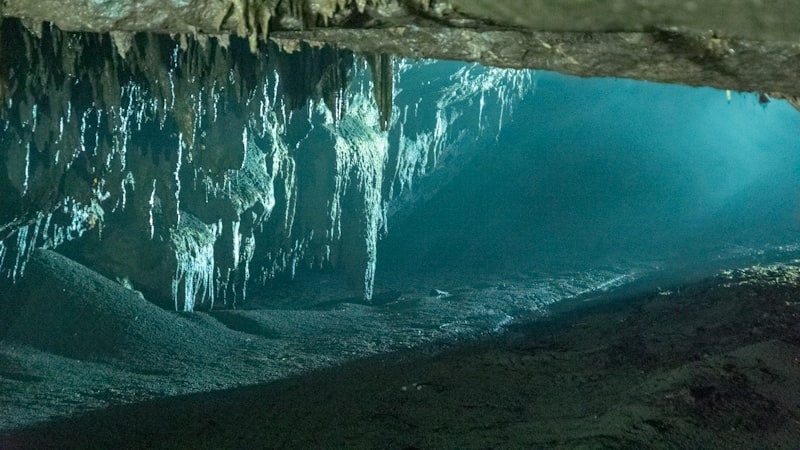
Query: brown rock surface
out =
(743, 45)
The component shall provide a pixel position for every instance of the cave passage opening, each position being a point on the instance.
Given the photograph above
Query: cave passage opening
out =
(320, 205)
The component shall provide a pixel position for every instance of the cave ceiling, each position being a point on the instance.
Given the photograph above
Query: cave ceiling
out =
(743, 45)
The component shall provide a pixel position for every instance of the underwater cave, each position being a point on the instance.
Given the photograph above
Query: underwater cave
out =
(267, 236)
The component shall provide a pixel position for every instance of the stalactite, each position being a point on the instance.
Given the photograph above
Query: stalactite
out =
(122, 42)
(256, 16)
(383, 85)
(193, 283)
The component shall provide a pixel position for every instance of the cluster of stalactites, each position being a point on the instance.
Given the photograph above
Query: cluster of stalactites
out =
(255, 16)
(468, 114)
(199, 90)
(68, 71)
(96, 111)
(309, 13)
(319, 12)
(82, 122)
(251, 19)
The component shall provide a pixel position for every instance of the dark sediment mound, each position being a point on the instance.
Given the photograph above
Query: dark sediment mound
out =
(64, 308)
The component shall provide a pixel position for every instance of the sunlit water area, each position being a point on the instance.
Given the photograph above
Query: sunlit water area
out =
(371, 206)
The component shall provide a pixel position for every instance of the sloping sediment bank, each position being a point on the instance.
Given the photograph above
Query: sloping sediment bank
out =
(714, 363)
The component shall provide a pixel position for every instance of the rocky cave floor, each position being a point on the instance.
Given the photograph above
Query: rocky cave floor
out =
(712, 363)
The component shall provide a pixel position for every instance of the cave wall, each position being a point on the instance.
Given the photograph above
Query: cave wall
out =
(126, 120)
(188, 168)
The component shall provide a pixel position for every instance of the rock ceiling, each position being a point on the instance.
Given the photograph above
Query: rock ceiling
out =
(747, 45)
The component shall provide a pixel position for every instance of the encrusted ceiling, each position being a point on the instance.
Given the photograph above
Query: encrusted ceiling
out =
(747, 45)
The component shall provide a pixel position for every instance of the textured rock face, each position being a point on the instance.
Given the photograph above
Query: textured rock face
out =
(753, 19)
(745, 45)
(184, 16)
(744, 18)
(666, 56)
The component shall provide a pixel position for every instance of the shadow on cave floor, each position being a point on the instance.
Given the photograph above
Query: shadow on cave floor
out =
(100, 345)
(712, 363)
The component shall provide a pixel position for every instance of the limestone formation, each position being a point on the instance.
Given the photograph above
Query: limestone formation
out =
(193, 167)
(178, 121)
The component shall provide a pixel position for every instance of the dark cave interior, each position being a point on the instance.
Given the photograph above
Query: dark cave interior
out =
(287, 205)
